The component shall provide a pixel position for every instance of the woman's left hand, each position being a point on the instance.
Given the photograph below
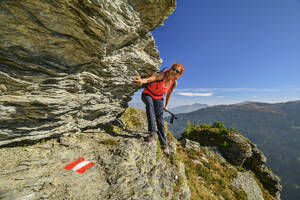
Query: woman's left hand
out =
(166, 108)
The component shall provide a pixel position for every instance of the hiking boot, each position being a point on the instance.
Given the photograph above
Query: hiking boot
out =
(165, 148)
(151, 137)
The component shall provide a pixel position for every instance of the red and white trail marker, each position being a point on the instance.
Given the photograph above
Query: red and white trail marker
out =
(80, 165)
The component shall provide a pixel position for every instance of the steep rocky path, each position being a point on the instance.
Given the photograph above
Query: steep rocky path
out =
(126, 168)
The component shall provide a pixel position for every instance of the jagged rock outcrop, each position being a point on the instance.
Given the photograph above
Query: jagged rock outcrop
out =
(243, 181)
(241, 152)
(69, 65)
(257, 164)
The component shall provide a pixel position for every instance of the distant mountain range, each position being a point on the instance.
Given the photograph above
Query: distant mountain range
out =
(275, 128)
(175, 110)
(186, 108)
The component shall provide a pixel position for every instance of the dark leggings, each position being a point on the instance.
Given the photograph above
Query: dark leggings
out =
(155, 107)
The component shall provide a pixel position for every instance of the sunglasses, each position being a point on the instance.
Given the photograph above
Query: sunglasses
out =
(176, 70)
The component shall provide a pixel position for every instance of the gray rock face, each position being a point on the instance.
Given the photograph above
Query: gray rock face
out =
(247, 183)
(189, 144)
(126, 168)
(240, 148)
(245, 153)
(69, 65)
(257, 164)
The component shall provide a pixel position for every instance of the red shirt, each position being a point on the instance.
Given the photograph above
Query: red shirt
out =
(156, 89)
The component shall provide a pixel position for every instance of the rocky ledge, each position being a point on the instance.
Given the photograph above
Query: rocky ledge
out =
(126, 168)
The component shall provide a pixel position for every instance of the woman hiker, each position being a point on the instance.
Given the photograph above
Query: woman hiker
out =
(157, 85)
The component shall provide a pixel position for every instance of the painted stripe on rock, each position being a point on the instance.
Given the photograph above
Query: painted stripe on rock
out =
(80, 165)
(74, 163)
(83, 169)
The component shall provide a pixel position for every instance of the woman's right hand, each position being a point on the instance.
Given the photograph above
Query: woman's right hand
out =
(139, 80)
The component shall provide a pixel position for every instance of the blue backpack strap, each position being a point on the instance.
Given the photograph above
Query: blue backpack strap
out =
(165, 74)
(163, 69)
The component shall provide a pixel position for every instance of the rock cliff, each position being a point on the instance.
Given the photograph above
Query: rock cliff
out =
(69, 65)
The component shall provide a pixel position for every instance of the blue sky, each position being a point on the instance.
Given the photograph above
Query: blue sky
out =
(233, 50)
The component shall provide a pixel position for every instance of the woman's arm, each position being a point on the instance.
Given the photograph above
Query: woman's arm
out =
(169, 93)
(154, 77)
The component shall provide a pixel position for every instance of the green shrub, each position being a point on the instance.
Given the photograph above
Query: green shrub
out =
(207, 126)
(220, 131)
(241, 169)
(219, 125)
(189, 128)
(225, 144)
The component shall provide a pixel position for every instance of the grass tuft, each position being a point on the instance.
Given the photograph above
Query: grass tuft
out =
(109, 142)
(132, 118)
